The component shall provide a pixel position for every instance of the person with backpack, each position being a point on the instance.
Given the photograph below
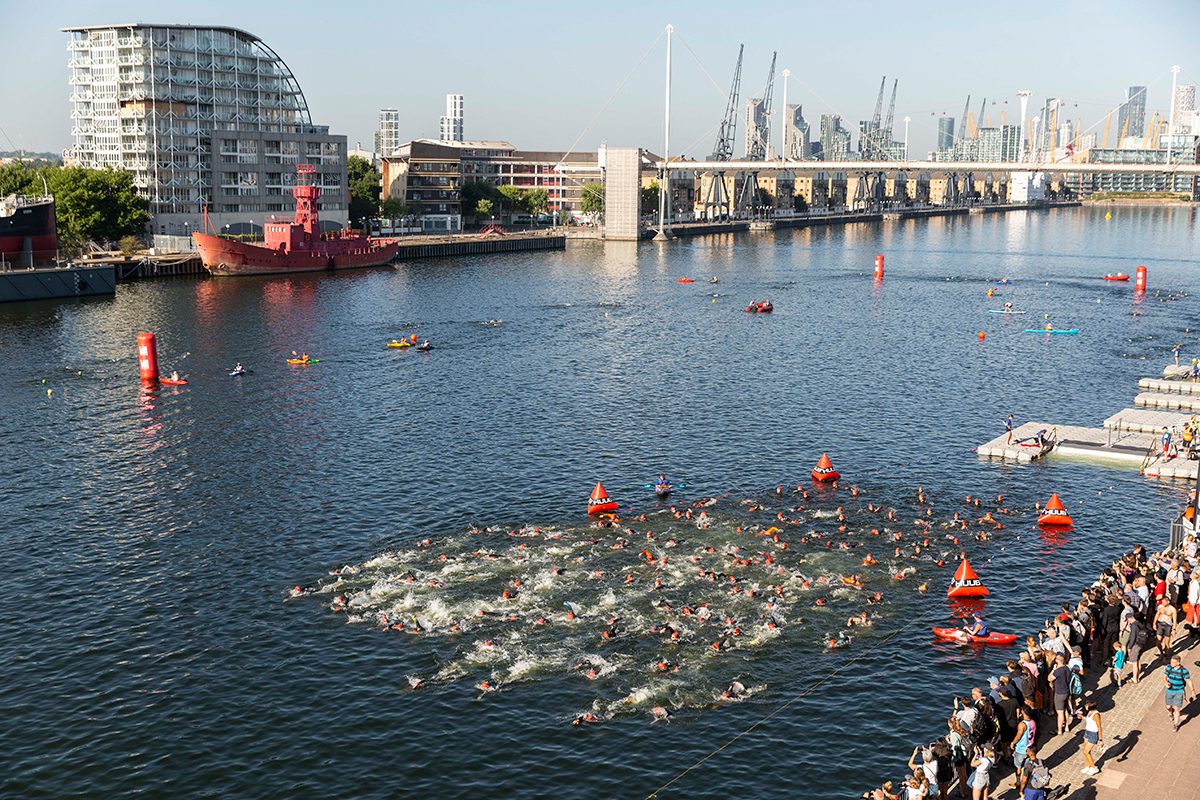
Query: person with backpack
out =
(1075, 691)
(1023, 745)
(1178, 680)
(1093, 736)
(1138, 638)
(1034, 777)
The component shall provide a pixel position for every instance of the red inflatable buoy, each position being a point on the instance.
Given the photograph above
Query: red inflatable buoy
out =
(824, 471)
(1054, 513)
(599, 503)
(966, 583)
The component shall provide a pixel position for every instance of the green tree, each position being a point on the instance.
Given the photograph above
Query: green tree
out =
(364, 182)
(591, 200)
(650, 195)
(393, 208)
(537, 201)
(483, 208)
(91, 204)
(513, 198)
(474, 191)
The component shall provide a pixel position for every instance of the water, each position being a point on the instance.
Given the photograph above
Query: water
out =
(149, 540)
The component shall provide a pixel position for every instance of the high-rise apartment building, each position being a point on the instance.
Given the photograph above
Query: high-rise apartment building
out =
(387, 136)
(796, 144)
(757, 133)
(1183, 108)
(203, 117)
(452, 123)
(1131, 117)
(945, 134)
(835, 140)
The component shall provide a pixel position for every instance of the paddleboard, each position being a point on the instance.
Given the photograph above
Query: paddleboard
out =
(1002, 311)
(1053, 330)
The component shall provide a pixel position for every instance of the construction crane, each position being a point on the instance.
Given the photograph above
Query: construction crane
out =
(1150, 131)
(962, 127)
(719, 197)
(885, 133)
(982, 110)
(757, 150)
(1107, 124)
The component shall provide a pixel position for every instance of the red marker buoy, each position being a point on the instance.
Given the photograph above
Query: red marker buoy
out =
(148, 357)
(824, 472)
(599, 503)
(1054, 513)
(966, 583)
(879, 266)
(1140, 279)
(982, 336)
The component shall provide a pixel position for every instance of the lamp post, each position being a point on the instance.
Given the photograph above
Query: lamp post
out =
(906, 121)
(786, 121)
(1171, 122)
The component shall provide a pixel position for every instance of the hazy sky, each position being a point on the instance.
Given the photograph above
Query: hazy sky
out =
(538, 73)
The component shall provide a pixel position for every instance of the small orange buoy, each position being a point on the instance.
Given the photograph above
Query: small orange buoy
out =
(966, 583)
(1054, 513)
(824, 471)
(599, 503)
(982, 336)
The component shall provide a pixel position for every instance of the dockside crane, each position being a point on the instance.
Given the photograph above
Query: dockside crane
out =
(748, 199)
(885, 133)
(962, 127)
(719, 197)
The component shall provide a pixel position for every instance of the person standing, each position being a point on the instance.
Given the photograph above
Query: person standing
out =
(1164, 625)
(1093, 735)
(1008, 425)
(1138, 636)
(1060, 680)
(1193, 598)
(981, 779)
(1023, 744)
(1178, 682)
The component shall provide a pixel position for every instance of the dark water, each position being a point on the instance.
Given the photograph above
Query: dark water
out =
(148, 540)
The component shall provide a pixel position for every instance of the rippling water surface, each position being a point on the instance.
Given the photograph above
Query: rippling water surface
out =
(149, 540)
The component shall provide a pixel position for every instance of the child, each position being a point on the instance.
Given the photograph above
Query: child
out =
(1118, 663)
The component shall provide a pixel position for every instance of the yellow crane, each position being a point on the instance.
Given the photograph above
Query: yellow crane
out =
(1124, 132)
(1107, 124)
(1150, 131)
(1162, 123)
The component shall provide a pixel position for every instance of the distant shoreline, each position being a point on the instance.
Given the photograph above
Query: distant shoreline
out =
(1138, 201)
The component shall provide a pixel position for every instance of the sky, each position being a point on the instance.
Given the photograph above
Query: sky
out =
(553, 75)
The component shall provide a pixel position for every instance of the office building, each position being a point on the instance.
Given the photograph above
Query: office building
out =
(202, 117)
(835, 140)
(796, 144)
(1131, 117)
(387, 136)
(452, 123)
(945, 134)
(757, 131)
(1183, 109)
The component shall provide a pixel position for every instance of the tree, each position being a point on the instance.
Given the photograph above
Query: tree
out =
(537, 201)
(130, 245)
(514, 197)
(474, 191)
(650, 198)
(393, 208)
(364, 182)
(483, 208)
(799, 203)
(591, 200)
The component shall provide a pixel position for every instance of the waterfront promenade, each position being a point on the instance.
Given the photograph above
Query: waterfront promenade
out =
(1144, 756)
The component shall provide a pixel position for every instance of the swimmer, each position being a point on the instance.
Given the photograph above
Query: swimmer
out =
(861, 620)
(736, 691)
(589, 719)
(660, 714)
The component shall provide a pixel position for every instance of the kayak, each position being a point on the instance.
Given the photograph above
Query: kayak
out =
(1052, 330)
(424, 348)
(1120, 276)
(301, 361)
(663, 490)
(959, 635)
(237, 372)
(169, 382)
(402, 343)
(1002, 311)
(686, 279)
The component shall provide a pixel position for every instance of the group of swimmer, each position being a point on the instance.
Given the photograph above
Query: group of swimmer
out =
(687, 598)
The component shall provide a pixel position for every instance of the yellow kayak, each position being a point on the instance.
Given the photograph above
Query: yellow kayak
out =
(401, 343)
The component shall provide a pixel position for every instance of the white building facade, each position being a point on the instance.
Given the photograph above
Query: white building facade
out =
(452, 123)
(203, 117)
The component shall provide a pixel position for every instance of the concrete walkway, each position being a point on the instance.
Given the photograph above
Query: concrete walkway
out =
(1144, 758)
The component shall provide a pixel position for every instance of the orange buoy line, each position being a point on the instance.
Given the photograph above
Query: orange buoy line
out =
(1054, 513)
(966, 583)
(599, 502)
(824, 471)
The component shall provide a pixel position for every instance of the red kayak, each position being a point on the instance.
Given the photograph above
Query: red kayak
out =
(1120, 276)
(959, 635)
(169, 382)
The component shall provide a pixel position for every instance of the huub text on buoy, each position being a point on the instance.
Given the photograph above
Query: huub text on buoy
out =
(879, 266)
(966, 583)
(147, 357)
(1139, 280)
(1054, 513)
(599, 503)
(824, 471)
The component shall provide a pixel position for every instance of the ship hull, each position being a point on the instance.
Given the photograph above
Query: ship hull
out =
(228, 258)
(30, 229)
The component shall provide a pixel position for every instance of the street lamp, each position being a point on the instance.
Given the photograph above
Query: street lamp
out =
(783, 142)
(906, 121)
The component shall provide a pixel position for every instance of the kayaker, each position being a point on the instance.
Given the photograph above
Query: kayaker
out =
(977, 628)
(1008, 307)
(238, 367)
(175, 376)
